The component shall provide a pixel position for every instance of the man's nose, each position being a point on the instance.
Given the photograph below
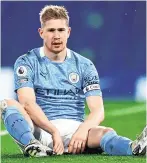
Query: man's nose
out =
(56, 35)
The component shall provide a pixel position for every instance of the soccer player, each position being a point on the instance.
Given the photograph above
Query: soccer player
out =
(52, 83)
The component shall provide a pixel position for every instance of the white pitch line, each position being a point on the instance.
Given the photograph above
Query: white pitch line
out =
(127, 111)
(2, 133)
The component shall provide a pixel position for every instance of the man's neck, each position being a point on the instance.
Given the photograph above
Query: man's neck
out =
(59, 57)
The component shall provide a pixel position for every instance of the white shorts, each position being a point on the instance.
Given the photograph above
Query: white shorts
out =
(66, 128)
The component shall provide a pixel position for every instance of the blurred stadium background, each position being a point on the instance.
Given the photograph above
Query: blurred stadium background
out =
(111, 34)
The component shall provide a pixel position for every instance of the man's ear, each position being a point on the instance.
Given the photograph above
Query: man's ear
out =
(40, 31)
(69, 31)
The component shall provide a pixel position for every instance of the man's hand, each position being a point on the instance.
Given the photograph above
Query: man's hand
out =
(78, 141)
(58, 147)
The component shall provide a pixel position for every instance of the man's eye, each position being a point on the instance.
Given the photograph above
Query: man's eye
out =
(61, 29)
(50, 30)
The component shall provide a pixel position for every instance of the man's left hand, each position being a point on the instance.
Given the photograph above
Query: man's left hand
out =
(78, 141)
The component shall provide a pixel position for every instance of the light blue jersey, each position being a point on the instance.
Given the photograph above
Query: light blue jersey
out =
(60, 88)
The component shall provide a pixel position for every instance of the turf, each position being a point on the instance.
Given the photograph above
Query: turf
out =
(127, 117)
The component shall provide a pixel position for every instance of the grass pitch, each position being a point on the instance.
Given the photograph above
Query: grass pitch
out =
(126, 117)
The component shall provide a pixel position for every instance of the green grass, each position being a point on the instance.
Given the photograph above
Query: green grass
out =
(127, 118)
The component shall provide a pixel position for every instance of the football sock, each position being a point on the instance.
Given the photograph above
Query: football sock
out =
(16, 125)
(113, 144)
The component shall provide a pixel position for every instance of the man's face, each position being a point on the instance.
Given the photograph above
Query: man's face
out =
(55, 33)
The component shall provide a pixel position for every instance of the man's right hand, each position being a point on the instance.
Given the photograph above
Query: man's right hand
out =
(58, 147)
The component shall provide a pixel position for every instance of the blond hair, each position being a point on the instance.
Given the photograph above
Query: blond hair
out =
(53, 12)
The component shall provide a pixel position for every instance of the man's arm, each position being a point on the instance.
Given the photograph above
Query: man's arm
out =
(93, 94)
(96, 116)
(26, 97)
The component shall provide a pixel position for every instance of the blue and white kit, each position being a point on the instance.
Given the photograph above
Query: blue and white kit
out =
(60, 88)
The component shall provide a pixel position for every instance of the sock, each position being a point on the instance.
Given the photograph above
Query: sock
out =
(17, 126)
(116, 145)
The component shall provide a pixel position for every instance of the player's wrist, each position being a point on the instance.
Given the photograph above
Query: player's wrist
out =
(55, 132)
(87, 125)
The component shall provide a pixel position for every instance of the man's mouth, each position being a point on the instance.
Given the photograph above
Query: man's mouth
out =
(56, 43)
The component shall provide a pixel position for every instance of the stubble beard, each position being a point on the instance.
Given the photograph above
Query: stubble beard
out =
(54, 51)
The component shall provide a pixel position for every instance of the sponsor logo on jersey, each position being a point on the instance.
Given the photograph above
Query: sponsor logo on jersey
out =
(73, 77)
(21, 71)
(48, 92)
(91, 87)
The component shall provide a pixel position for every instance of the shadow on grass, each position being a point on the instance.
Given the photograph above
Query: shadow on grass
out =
(13, 156)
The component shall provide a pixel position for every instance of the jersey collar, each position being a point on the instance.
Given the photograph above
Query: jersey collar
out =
(42, 52)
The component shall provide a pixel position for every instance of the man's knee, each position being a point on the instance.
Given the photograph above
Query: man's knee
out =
(8, 103)
(12, 102)
(107, 129)
(4, 104)
(95, 135)
(100, 130)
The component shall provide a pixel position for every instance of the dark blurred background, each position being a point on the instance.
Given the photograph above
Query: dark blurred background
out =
(111, 34)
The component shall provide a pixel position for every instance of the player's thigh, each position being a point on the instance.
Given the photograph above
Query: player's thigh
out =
(95, 135)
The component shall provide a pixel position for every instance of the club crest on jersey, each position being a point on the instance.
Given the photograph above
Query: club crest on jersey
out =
(73, 77)
(21, 71)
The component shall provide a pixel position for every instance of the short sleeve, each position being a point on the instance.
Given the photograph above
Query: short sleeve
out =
(23, 74)
(91, 82)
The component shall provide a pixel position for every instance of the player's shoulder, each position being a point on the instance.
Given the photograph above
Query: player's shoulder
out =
(80, 59)
(28, 57)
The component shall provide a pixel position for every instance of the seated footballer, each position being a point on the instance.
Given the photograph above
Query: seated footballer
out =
(52, 83)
